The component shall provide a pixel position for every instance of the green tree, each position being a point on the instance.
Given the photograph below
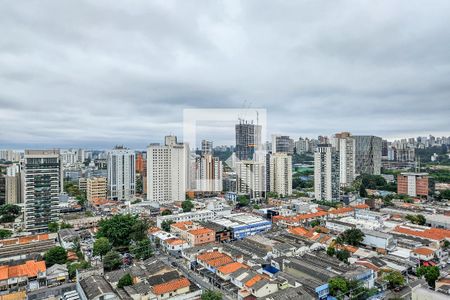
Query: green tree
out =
(166, 212)
(394, 278)
(142, 249)
(243, 200)
(352, 236)
(211, 295)
(101, 247)
(121, 229)
(315, 223)
(4, 234)
(431, 274)
(55, 255)
(446, 244)
(9, 212)
(416, 219)
(126, 280)
(445, 194)
(421, 220)
(139, 230)
(111, 261)
(256, 206)
(53, 227)
(165, 225)
(362, 192)
(331, 251)
(187, 205)
(73, 267)
(343, 255)
(338, 285)
(65, 225)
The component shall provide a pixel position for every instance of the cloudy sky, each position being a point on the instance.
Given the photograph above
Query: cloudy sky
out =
(100, 73)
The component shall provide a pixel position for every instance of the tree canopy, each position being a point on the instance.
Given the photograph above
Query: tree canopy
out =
(211, 295)
(166, 212)
(112, 261)
(9, 212)
(5, 233)
(352, 237)
(53, 226)
(142, 249)
(120, 230)
(431, 274)
(243, 200)
(416, 219)
(394, 278)
(101, 246)
(187, 205)
(126, 280)
(55, 255)
(165, 225)
(338, 285)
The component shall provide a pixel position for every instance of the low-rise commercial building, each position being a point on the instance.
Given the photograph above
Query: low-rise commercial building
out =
(243, 225)
(379, 240)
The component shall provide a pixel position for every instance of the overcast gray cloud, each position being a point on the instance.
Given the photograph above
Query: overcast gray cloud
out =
(97, 73)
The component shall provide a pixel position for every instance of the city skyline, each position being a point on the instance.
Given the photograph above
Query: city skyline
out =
(111, 73)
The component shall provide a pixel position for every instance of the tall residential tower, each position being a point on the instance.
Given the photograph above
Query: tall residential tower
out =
(326, 173)
(43, 183)
(121, 165)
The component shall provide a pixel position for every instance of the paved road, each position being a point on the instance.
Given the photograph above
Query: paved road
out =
(203, 283)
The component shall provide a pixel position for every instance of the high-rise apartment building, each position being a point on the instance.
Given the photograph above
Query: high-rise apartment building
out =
(141, 163)
(208, 174)
(367, 154)
(412, 184)
(207, 147)
(251, 179)
(2, 189)
(96, 188)
(42, 179)
(326, 173)
(13, 185)
(248, 140)
(9, 155)
(302, 145)
(282, 144)
(168, 174)
(121, 167)
(345, 145)
(280, 174)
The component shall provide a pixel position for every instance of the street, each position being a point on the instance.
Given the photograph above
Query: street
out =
(191, 275)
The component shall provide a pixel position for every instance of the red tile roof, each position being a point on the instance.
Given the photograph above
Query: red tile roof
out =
(201, 231)
(232, 267)
(29, 269)
(423, 251)
(436, 234)
(209, 255)
(170, 286)
(220, 261)
(341, 210)
(254, 280)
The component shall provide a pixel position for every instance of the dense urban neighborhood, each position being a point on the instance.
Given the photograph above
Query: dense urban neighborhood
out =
(341, 217)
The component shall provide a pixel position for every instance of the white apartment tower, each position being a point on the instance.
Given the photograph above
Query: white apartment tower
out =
(344, 143)
(121, 165)
(208, 170)
(280, 174)
(326, 173)
(251, 179)
(43, 183)
(168, 171)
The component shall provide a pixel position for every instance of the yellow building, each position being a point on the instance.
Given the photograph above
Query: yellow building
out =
(96, 188)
